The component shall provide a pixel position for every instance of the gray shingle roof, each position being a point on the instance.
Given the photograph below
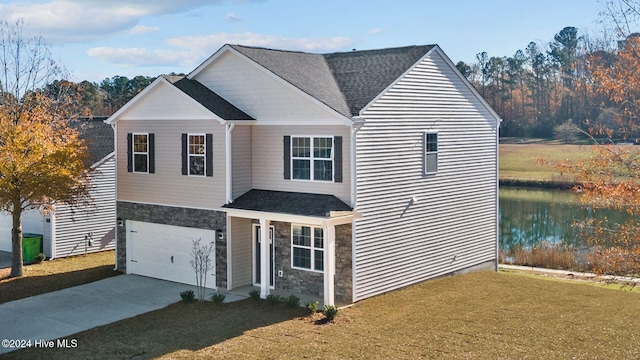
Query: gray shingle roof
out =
(207, 98)
(289, 203)
(363, 75)
(308, 72)
(97, 134)
(345, 81)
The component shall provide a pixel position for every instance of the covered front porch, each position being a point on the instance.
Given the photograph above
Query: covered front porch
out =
(309, 247)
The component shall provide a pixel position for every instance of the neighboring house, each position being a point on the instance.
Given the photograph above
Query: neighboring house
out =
(367, 171)
(73, 230)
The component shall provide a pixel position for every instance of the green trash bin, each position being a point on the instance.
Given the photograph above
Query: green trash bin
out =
(31, 244)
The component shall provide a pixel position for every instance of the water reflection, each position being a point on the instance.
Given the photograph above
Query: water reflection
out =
(530, 216)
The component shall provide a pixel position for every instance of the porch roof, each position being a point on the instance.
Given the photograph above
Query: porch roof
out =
(293, 203)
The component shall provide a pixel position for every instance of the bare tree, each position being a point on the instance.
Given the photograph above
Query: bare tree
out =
(201, 264)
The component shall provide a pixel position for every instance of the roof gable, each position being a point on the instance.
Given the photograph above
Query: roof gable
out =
(308, 72)
(209, 99)
(363, 75)
(346, 81)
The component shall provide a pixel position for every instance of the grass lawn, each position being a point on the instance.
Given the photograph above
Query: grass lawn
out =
(482, 315)
(56, 274)
(520, 161)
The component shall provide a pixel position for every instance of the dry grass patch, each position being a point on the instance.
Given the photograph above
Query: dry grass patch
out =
(478, 316)
(520, 161)
(56, 274)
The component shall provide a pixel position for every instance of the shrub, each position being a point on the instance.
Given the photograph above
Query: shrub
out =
(274, 299)
(330, 312)
(254, 294)
(188, 296)
(312, 306)
(40, 257)
(292, 302)
(218, 298)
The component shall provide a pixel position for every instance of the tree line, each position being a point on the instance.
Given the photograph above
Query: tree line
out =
(547, 85)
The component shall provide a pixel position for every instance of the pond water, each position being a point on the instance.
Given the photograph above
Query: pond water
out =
(529, 216)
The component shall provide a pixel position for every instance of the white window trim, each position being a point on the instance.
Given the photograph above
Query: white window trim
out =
(311, 157)
(425, 152)
(189, 155)
(312, 248)
(134, 152)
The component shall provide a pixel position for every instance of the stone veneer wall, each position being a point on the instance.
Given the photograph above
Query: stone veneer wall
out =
(176, 216)
(344, 265)
(311, 282)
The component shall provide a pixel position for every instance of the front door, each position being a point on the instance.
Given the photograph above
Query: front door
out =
(256, 256)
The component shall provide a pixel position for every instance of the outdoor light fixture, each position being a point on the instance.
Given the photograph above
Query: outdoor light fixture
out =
(120, 222)
(220, 234)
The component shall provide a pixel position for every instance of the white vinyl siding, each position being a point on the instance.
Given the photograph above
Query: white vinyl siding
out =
(65, 230)
(169, 186)
(88, 228)
(416, 227)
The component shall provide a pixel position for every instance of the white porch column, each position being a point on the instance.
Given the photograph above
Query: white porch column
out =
(265, 259)
(329, 263)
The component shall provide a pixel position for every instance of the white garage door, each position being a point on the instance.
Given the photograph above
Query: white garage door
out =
(164, 251)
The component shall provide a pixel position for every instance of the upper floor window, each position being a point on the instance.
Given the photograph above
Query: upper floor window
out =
(430, 152)
(312, 158)
(197, 154)
(140, 153)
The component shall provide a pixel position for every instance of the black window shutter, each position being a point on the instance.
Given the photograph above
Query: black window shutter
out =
(185, 169)
(130, 152)
(152, 154)
(287, 157)
(337, 159)
(209, 155)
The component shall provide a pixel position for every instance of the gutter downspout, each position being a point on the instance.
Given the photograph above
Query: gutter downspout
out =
(358, 122)
(114, 126)
(497, 193)
(228, 167)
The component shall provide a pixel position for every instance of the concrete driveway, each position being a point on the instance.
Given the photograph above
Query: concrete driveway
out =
(63, 313)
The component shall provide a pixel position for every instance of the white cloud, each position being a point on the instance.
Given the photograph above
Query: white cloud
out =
(207, 44)
(141, 29)
(139, 57)
(231, 17)
(375, 31)
(196, 49)
(83, 20)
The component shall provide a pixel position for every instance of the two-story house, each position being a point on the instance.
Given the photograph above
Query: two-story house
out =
(341, 175)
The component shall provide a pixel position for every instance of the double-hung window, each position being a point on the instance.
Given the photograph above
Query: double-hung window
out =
(197, 147)
(140, 153)
(430, 152)
(307, 247)
(197, 154)
(312, 158)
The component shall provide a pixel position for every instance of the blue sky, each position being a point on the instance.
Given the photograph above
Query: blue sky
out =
(96, 39)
